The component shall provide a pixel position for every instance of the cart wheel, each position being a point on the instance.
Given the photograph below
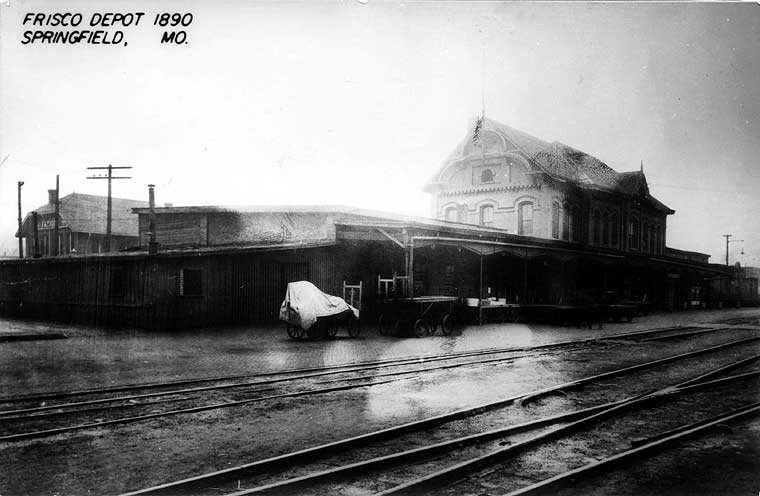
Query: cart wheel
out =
(382, 325)
(354, 327)
(421, 328)
(447, 324)
(295, 332)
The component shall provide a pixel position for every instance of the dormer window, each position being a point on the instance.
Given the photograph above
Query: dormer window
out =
(486, 176)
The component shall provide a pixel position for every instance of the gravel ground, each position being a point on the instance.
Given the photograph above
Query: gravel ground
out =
(128, 457)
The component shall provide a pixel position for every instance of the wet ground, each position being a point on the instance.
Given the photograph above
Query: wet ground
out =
(92, 357)
(107, 461)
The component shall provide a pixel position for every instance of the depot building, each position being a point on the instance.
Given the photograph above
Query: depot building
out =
(514, 219)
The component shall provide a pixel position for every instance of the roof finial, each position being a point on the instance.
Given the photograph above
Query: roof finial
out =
(642, 166)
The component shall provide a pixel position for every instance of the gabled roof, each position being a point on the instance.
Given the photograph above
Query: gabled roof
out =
(555, 159)
(88, 213)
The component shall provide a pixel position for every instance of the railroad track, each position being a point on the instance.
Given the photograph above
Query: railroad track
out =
(50, 419)
(338, 368)
(426, 466)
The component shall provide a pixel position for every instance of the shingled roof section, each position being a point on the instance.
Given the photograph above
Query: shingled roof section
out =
(88, 213)
(558, 160)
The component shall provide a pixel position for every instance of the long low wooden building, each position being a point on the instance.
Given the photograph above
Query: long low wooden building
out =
(199, 280)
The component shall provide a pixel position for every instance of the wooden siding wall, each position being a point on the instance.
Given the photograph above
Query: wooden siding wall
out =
(236, 288)
(175, 229)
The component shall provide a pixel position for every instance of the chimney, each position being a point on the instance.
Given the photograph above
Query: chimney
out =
(52, 196)
(152, 245)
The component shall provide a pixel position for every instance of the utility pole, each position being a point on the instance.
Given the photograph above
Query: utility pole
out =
(56, 249)
(110, 176)
(152, 245)
(727, 236)
(20, 234)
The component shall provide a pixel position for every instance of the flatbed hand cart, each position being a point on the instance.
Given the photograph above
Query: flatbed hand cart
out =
(418, 316)
(491, 310)
(308, 312)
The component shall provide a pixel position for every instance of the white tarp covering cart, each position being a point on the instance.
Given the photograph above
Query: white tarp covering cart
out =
(307, 311)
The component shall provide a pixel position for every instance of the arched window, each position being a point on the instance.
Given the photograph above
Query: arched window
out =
(633, 233)
(486, 215)
(486, 176)
(450, 213)
(555, 220)
(525, 219)
(606, 229)
(596, 226)
(566, 223)
(614, 230)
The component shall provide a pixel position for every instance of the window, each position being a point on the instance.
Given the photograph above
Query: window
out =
(566, 223)
(606, 229)
(117, 283)
(486, 176)
(486, 215)
(633, 234)
(190, 282)
(596, 226)
(614, 229)
(645, 243)
(555, 220)
(575, 219)
(525, 220)
(658, 241)
(450, 213)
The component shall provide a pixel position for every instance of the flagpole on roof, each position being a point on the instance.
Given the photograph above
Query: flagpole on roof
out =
(483, 81)
(483, 100)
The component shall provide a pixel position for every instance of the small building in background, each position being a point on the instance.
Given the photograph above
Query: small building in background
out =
(82, 225)
(220, 226)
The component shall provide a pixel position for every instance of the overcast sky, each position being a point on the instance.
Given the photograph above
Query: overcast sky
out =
(358, 104)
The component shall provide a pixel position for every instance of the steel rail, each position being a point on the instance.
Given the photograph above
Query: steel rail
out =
(325, 370)
(362, 439)
(417, 453)
(196, 409)
(420, 453)
(580, 382)
(469, 466)
(18, 414)
(335, 368)
(675, 436)
(688, 334)
(433, 449)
